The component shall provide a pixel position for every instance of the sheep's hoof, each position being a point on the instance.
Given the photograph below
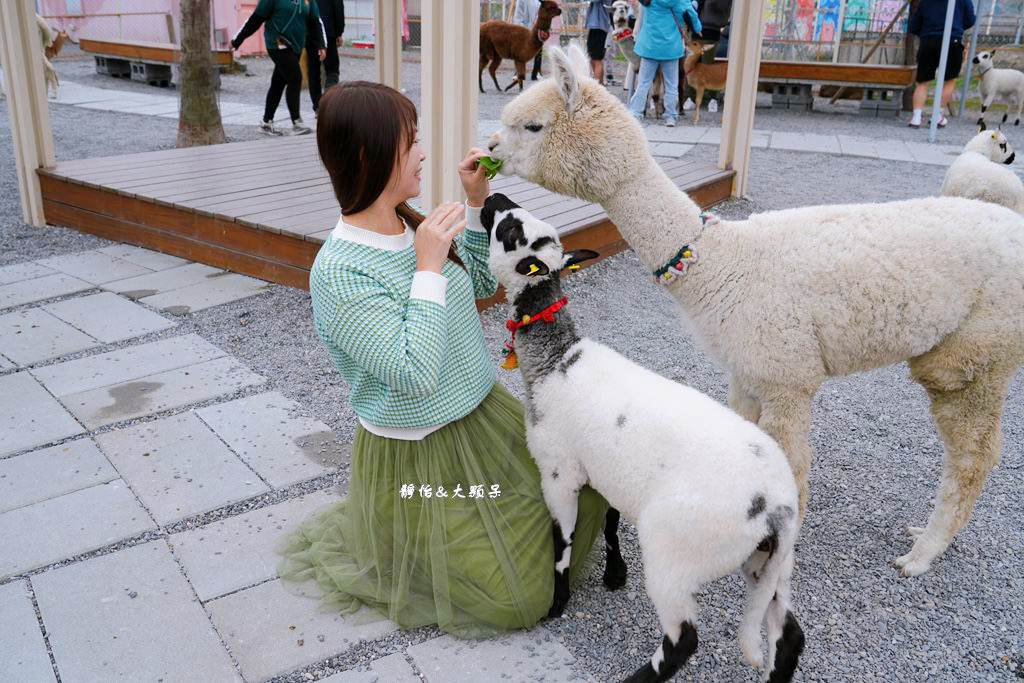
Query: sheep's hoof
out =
(558, 606)
(614, 573)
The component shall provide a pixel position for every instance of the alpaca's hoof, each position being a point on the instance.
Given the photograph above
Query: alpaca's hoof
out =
(912, 565)
(615, 574)
(915, 531)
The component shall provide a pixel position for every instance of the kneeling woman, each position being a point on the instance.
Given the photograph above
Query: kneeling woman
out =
(394, 301)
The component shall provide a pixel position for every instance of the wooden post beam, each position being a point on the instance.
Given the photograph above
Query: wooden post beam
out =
(387, 42)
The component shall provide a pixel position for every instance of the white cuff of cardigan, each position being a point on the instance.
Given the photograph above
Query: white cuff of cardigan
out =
(473, 218)
(429, 286)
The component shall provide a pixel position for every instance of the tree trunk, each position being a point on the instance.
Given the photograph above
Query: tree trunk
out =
(199, 116)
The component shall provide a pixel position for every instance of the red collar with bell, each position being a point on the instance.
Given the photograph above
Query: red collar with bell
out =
(547, 315)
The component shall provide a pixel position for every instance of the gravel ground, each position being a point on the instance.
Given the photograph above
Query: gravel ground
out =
(877, 455)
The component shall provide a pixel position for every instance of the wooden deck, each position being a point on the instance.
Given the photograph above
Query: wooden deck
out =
(264, 208)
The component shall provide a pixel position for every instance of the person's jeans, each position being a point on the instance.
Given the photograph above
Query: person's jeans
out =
(670, 72)
(287, 78)
(331, 64)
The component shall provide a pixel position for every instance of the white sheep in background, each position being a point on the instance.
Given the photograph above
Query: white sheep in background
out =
(786, 299)
(1006, 84)
(978, 173)
(709, 492)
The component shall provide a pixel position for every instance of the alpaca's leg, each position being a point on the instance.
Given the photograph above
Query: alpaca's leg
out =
(520, 76)
(742, 401)
(614, 565)
(786, 416)
(967, 412)
(493, 69)
(480, 77)
(699, 98)
(562, 501)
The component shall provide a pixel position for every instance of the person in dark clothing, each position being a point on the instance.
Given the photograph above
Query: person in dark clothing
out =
(288, 23)
(332, 16)
(929, 23)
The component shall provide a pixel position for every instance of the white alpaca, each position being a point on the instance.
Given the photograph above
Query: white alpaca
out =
(709, 492)
(1006, 84)
(978, 173)
(786, 299)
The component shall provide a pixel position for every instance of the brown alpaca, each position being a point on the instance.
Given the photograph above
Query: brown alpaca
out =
(502, 40)
(58, 43)
(702, 76)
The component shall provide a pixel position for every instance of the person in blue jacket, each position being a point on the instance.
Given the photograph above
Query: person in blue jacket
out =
(660, 46)
(929, 23)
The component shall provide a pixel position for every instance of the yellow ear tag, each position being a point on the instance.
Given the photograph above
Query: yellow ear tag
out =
(533, 269)
(993, 136)
(575, 266)
(511, 361)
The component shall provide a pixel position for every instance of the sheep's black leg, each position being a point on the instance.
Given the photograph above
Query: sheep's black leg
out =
(614, 566)
(787, 651)
(563, 551)
(668, 657)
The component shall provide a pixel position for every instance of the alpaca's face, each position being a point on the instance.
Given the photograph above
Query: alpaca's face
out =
(569, 134)
(548, 10)
(994, 145)
(522, 247)
(620, 14)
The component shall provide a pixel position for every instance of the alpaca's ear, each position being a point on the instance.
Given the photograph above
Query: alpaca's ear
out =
(579, 60)
(565, 78)
(571, 258)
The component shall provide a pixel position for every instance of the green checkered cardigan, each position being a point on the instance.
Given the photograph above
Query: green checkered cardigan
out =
(408, 362)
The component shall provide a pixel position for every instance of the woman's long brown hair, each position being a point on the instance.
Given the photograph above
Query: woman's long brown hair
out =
(361, 130)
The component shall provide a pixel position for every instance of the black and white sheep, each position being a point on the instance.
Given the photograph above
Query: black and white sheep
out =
(1006, 84)
(980, 172)
(708, 491)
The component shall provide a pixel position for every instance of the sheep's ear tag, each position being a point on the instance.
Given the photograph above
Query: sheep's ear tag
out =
(511, 361)
(993, 136)
(575, 266)
(535, 269)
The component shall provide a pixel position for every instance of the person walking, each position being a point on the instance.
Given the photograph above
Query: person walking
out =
(928, 23)
(660, 47)
(287, 24)
(444, 521)
(332, 16)
(599, 25)
(526, 15)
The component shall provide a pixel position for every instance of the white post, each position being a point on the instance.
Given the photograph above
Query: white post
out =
(970, 60)
(387, 43)
(940, 74)
(27, 108)
(448, 114)
(746, 34)
(839, 31)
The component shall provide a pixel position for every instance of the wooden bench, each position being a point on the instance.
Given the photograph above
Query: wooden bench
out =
(143, 61)
(882, 84)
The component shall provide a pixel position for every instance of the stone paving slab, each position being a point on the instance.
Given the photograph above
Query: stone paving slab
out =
(29, 416)
(158, 392)
(108, 317)
(72, 524)
(34, 335)
(855, 146)
(178, 467)
(240, 551)
(805, 142)
(152, 260)
(356, 676)
(215, 291)
(51, 472)
(282, 446)
(23, 271)
(271, 631)
(164, 281)
(6, 363)
(37, 289)
(394, 669)
(122, 365)
(93, 266)
(520, 656)
(129, 616)
(22, 649)
(669, 149)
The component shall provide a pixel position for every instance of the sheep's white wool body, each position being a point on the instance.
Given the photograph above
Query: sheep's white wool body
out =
(787, 298)
(1006, 84)
(980, 172)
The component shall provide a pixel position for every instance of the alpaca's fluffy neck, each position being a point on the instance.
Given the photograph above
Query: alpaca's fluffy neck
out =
(542, 346)
(653, 215)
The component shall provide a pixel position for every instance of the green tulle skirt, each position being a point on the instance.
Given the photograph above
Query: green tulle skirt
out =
(473, 566)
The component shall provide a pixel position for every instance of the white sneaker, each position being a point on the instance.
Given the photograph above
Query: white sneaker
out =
(713, 106)
(671, 123)
(267, 128)
(688, 105)
(299, 128)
